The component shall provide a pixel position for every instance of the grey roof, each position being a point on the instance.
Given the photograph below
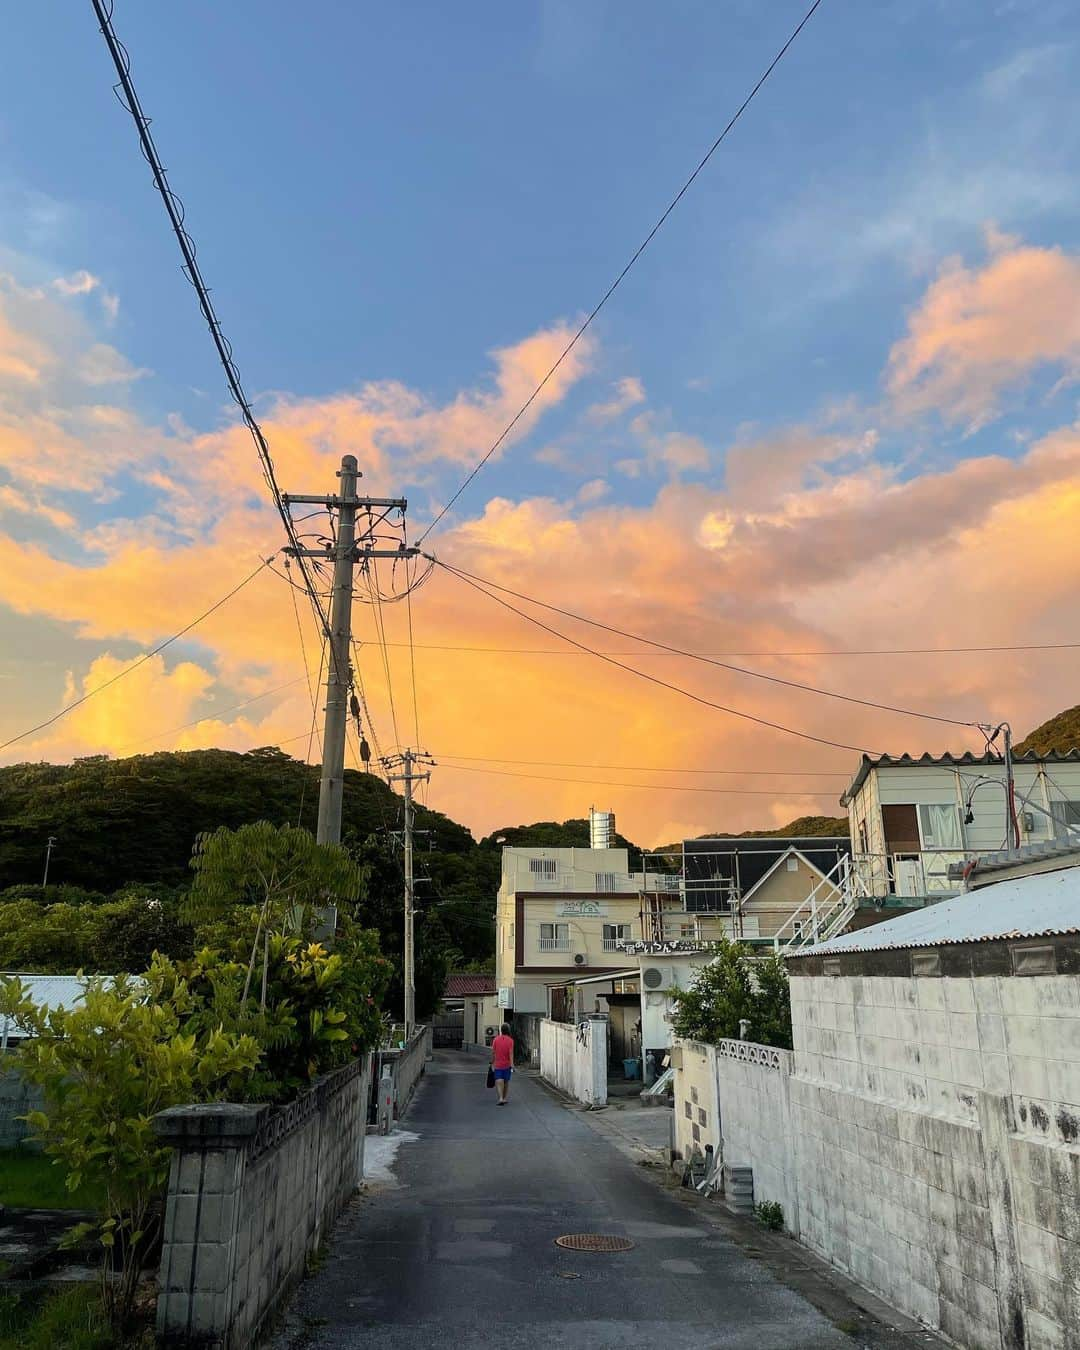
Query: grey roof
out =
(968, 759)
(1035, 906)
(1049, 850)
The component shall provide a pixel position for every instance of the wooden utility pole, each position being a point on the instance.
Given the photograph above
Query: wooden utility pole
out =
(344, 554)
(405, 761)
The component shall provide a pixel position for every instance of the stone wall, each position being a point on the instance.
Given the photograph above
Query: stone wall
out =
(17, 1099)
(574, 1059)
(923, 1137)
(253, 1191)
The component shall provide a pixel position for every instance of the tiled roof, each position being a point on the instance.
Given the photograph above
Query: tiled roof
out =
(468, 986)
(1045, 905)
(967, 759)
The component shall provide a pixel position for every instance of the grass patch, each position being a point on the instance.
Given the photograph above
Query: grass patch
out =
(69, 1320)
(33, 1181)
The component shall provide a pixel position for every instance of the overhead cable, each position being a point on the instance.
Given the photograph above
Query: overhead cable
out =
(777, 655)
(579, 333)
(709, 660)
(135, 665)
(644, 787)
(645, 768)
(174, 208)
(654, 679)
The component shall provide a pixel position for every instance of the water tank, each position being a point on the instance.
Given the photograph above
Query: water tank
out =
(601, 828)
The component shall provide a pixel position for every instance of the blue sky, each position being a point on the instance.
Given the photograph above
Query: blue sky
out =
(383, 197)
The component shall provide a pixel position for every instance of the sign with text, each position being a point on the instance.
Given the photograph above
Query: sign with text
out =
(673, 948)
(581, 909)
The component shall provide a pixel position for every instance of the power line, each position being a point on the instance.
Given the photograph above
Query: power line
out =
(217, 713)
(646, 768)
(380, 630)
(644, 787)
(142, 660)
(840, 651)
(175, 211)
(708, 660)
(653, 679)
(618, 280)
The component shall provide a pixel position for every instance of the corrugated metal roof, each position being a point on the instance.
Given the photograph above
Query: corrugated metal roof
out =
(967, 759)
(1038, 906)
(53, 991)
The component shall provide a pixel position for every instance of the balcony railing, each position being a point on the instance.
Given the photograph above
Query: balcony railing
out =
(616, 944)
(914, 874)
(554, 944)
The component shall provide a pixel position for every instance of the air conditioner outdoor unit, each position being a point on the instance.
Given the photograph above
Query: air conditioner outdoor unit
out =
(656, 977)
(579, 959)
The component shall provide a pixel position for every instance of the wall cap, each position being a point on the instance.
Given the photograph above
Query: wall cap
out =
(203, 1125)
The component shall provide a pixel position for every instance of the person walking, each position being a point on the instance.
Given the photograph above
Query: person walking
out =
(502, 1062)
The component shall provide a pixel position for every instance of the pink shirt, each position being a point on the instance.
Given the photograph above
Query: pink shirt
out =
(502, 1052)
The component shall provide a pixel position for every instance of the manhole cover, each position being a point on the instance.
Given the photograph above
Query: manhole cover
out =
(593, 1242)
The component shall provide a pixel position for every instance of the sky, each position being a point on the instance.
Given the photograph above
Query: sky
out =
(833, 408)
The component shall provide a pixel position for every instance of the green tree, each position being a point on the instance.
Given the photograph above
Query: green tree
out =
(720, 996)
(106, 1067)
(770, 1018)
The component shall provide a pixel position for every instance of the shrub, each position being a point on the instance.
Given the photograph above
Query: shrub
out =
(719, 997)
(106, 1066)
(770, 1215)
(731, 989)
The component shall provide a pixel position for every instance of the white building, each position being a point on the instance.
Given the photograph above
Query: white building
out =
(912, 820)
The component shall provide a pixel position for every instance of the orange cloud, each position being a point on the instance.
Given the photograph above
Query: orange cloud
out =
(810, 543)
(979, 331)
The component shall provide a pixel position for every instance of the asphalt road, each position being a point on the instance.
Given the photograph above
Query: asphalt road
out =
(461, 1252)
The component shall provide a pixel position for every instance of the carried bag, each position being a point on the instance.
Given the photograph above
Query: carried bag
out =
(491, 1076)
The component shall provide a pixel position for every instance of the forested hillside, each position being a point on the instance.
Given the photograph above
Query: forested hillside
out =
(1060, 733)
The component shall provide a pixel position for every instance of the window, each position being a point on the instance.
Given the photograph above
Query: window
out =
(543, 869)
(554, 937)
(940, 826)
(607, 881)
(792, 864)
(864, 845)
(688, 929)
(615, 934)
(1066, 816)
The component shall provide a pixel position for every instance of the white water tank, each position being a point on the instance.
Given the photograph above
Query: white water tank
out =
(601, 828)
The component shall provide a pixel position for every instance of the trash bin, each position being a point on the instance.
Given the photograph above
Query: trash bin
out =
(631, 1068)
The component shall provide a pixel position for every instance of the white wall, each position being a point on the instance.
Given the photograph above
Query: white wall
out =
(574, 1059)
(926, 1140)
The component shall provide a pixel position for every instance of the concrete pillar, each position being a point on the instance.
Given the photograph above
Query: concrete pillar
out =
(200, 1253)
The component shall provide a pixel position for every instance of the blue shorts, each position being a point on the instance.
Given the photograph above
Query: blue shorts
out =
(504, 1074)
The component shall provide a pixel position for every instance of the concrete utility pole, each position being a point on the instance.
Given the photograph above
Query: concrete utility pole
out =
(406, 760)
(50, 845)
(345, 555)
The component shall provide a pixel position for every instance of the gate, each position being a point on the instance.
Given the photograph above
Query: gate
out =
(448, 1030)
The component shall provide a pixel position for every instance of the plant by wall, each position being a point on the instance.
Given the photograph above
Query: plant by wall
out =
(107, 1066)
(731, 989)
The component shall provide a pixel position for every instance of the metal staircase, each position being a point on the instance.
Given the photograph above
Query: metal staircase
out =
(825, 912)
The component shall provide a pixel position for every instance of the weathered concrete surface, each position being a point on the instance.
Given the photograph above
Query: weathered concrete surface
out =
(462, 1252)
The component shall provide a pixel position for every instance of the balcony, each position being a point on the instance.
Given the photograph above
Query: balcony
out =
(907, 875)
(554, 944)
(616, 944)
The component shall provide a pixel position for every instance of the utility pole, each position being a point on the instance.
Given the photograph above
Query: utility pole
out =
(345, 555)
(50, 845)
(406, 761)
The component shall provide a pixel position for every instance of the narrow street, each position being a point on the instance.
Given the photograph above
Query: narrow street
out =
(461, 1250)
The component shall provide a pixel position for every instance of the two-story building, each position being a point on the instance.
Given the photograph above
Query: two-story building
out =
(918, 823)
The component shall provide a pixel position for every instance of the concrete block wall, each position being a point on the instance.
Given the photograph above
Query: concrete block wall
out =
(252, 1192)
(937, 1127)
(923, 1137)
(574, 1059)
(17, 1099)
(697, 1115)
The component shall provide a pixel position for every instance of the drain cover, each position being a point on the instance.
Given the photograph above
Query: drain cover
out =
(593, 1242)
